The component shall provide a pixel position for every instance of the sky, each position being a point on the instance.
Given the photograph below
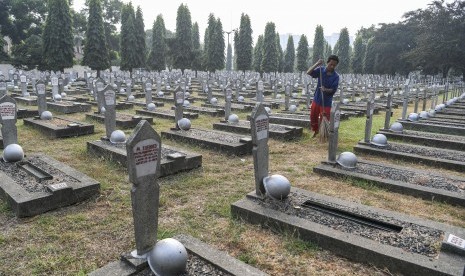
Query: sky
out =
(290, 16)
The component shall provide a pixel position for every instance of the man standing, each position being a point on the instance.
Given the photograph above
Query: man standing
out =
(322, 102)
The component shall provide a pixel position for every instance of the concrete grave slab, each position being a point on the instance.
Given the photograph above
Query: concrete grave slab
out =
(289, 119)
(68, 107)
(174, 160)
(200, 254)
(166, 114)
(40, 183)
(26, 113)
(433, 127)
(60, 127)
(281, 132)
(400, 179)
(401, 243)
(442, 158)
(216, 140)
(430, 139)
(214, 112)
(124, 121)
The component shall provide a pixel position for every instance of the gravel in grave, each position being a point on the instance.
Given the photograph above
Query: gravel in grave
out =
(446, 123)
(195, 266)
(412, 238)
(272, 127)
(426, 151)
(411, 177)
(29, 182)
(164, 111)
(202, 108)
(124, 117)
(64, 103)
(59, 122)
(210, 135)
(164, 151)
(433, 135)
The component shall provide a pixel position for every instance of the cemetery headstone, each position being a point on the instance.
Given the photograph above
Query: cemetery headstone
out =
(41, 97)
(259, 124)
(287, 95)
(369, 120)
(2, 88)
(335, 119)
(227, 105)
(260, 90)
(144, 155)
(23, 80)
(99, 86)
(405, 97)
(54, 81)
(148, 91)
(60, 85)
(417, 91)
(387, 119)
(128, 87)
(108, 97)
(178, 100)
(8, 120)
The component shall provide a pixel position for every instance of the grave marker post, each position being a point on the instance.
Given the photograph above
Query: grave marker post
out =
(334, 122)
(178, 100)
(387, 119)
(369, 114)
(405, 96)
(8, 120)
(143, 149)
(41, 97)
(108, 98)
(259, 124)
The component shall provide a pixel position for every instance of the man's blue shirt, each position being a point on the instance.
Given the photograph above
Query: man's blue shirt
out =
(329, 81)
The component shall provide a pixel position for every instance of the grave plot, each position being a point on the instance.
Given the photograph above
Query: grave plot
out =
(234, 107)
(401, 243)
(272, 105)
(173, 160)
(452, 111)
(447, 120)
(430, 139)
(202, 260)
(124, 121)
(39, 183)
(289, 119)
(442, 158)
(214, 112)
(143, 103)
(449, 117)
(166, 114)
(437, 127)
(400, 179)
(26, 100)
(26, 113)
(60, 127)
(67, 107)
(118, 106)
(225, 142)
(282, 132)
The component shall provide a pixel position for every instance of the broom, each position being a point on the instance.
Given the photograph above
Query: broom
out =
(323, 129)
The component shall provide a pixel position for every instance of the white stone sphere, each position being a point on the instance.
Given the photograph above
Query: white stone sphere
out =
(57, 98)
(168, 258)
(295, 95)
(240, 98)
(268, 110)
(117, 136)
(131, 98)
(151, 107)
(168, 87)
(46, 115)
(122, 90)
(413, 117)
(233, 119)
(160, 94)
(243, 89)
(13, 153)
(187, 95)
(432, 113)
(186, 103)
(278, 96)
(277, 186)
(345, 101)
(424, 114)
(184, 124)
(214, 101)
(114, 86)
(102, 110)
(63, 94)
(292, 108)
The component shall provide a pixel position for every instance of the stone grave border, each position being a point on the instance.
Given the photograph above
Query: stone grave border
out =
(124, 124)
(438, 128)
(189, 115)
(287, 121)
(24, 203)
(424, 141)
(353, 246)
(76, 128)
(76, 107)
(290, 132)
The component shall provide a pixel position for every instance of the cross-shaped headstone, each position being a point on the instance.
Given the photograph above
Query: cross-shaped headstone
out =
(8, 120)
(334, 121)
(387, 119)
(143, 149)
(41, 97)
(369, 113)
(259, 124)
(405, 96)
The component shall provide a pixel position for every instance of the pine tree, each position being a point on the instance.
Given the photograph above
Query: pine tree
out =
(157, 57)
(270, 53)
(280, 54)
(318, 44)
(289, 56)
(343, 51)
(236, 46)
(207, 52)
(229, 58)
(183, 45)
(358, 55)
(258, 55)
(140, 39)
(244, 48)
(370, 58)
(96, 54)
(197, 52)
(302, 54)
(128, 39)
(215, 45)
(328, 51)
(58, 36)
(219, 46)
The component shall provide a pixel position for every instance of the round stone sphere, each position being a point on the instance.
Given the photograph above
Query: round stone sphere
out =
(240, 98)
(186, 103)
(114, 86)
(292, 108)
(397, 127)
(66, 87)
(187, 95)
(184, 124)
(277, 186)
(449, 102)
(122, 91)
(243, 89)
(168, 87)
(151, 107)
(379, 140)
(102, 110)
(46, 115)
(160, 94)
(347, 160)
(424, 115)
(440, 107)
(233, 119)
(295, 95)
(268, 110)
(432, 113)
(57, 98)
(63, 94)
(345, 101)
(168, 257)
(214, 101)
(13, 153)
(131, 98)
(278, 96)
(117, 136)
